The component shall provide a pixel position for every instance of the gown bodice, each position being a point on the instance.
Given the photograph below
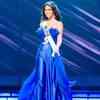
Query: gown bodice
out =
(53, 31)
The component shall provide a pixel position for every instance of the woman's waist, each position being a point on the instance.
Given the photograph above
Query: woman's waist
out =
(45, 42)
(45, 47)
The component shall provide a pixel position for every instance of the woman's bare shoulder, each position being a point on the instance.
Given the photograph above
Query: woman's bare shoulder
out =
(43, 23)
(60, 26)
(60, 23)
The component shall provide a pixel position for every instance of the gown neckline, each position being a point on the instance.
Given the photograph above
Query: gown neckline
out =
(53, 28)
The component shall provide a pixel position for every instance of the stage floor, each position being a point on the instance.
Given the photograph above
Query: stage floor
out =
(76, 96)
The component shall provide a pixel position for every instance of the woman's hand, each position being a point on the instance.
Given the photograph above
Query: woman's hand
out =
(56, 51)
(46, 39)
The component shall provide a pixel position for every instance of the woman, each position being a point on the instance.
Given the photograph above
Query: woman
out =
(48, 80)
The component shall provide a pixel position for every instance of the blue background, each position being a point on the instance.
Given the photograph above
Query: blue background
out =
(19, 20)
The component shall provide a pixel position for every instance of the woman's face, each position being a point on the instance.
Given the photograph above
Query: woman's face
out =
(48, 12)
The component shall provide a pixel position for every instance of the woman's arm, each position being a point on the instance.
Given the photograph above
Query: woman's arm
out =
(59, 36)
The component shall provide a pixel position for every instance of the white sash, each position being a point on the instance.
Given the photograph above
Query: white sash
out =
(49, 38)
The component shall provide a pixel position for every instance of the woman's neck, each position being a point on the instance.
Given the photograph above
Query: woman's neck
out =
(52, 19)
(50, 22)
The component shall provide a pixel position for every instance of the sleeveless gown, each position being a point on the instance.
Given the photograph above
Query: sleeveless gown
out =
(48, 80)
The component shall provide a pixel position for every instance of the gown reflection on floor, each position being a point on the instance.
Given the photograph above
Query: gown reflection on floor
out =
(76, 96)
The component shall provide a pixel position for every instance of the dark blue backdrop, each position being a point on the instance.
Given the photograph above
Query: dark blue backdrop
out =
(81, 44)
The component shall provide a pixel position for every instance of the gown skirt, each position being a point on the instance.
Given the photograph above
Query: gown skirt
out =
(48, 80)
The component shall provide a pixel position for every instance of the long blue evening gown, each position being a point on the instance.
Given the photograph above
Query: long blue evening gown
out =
(49, 80)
